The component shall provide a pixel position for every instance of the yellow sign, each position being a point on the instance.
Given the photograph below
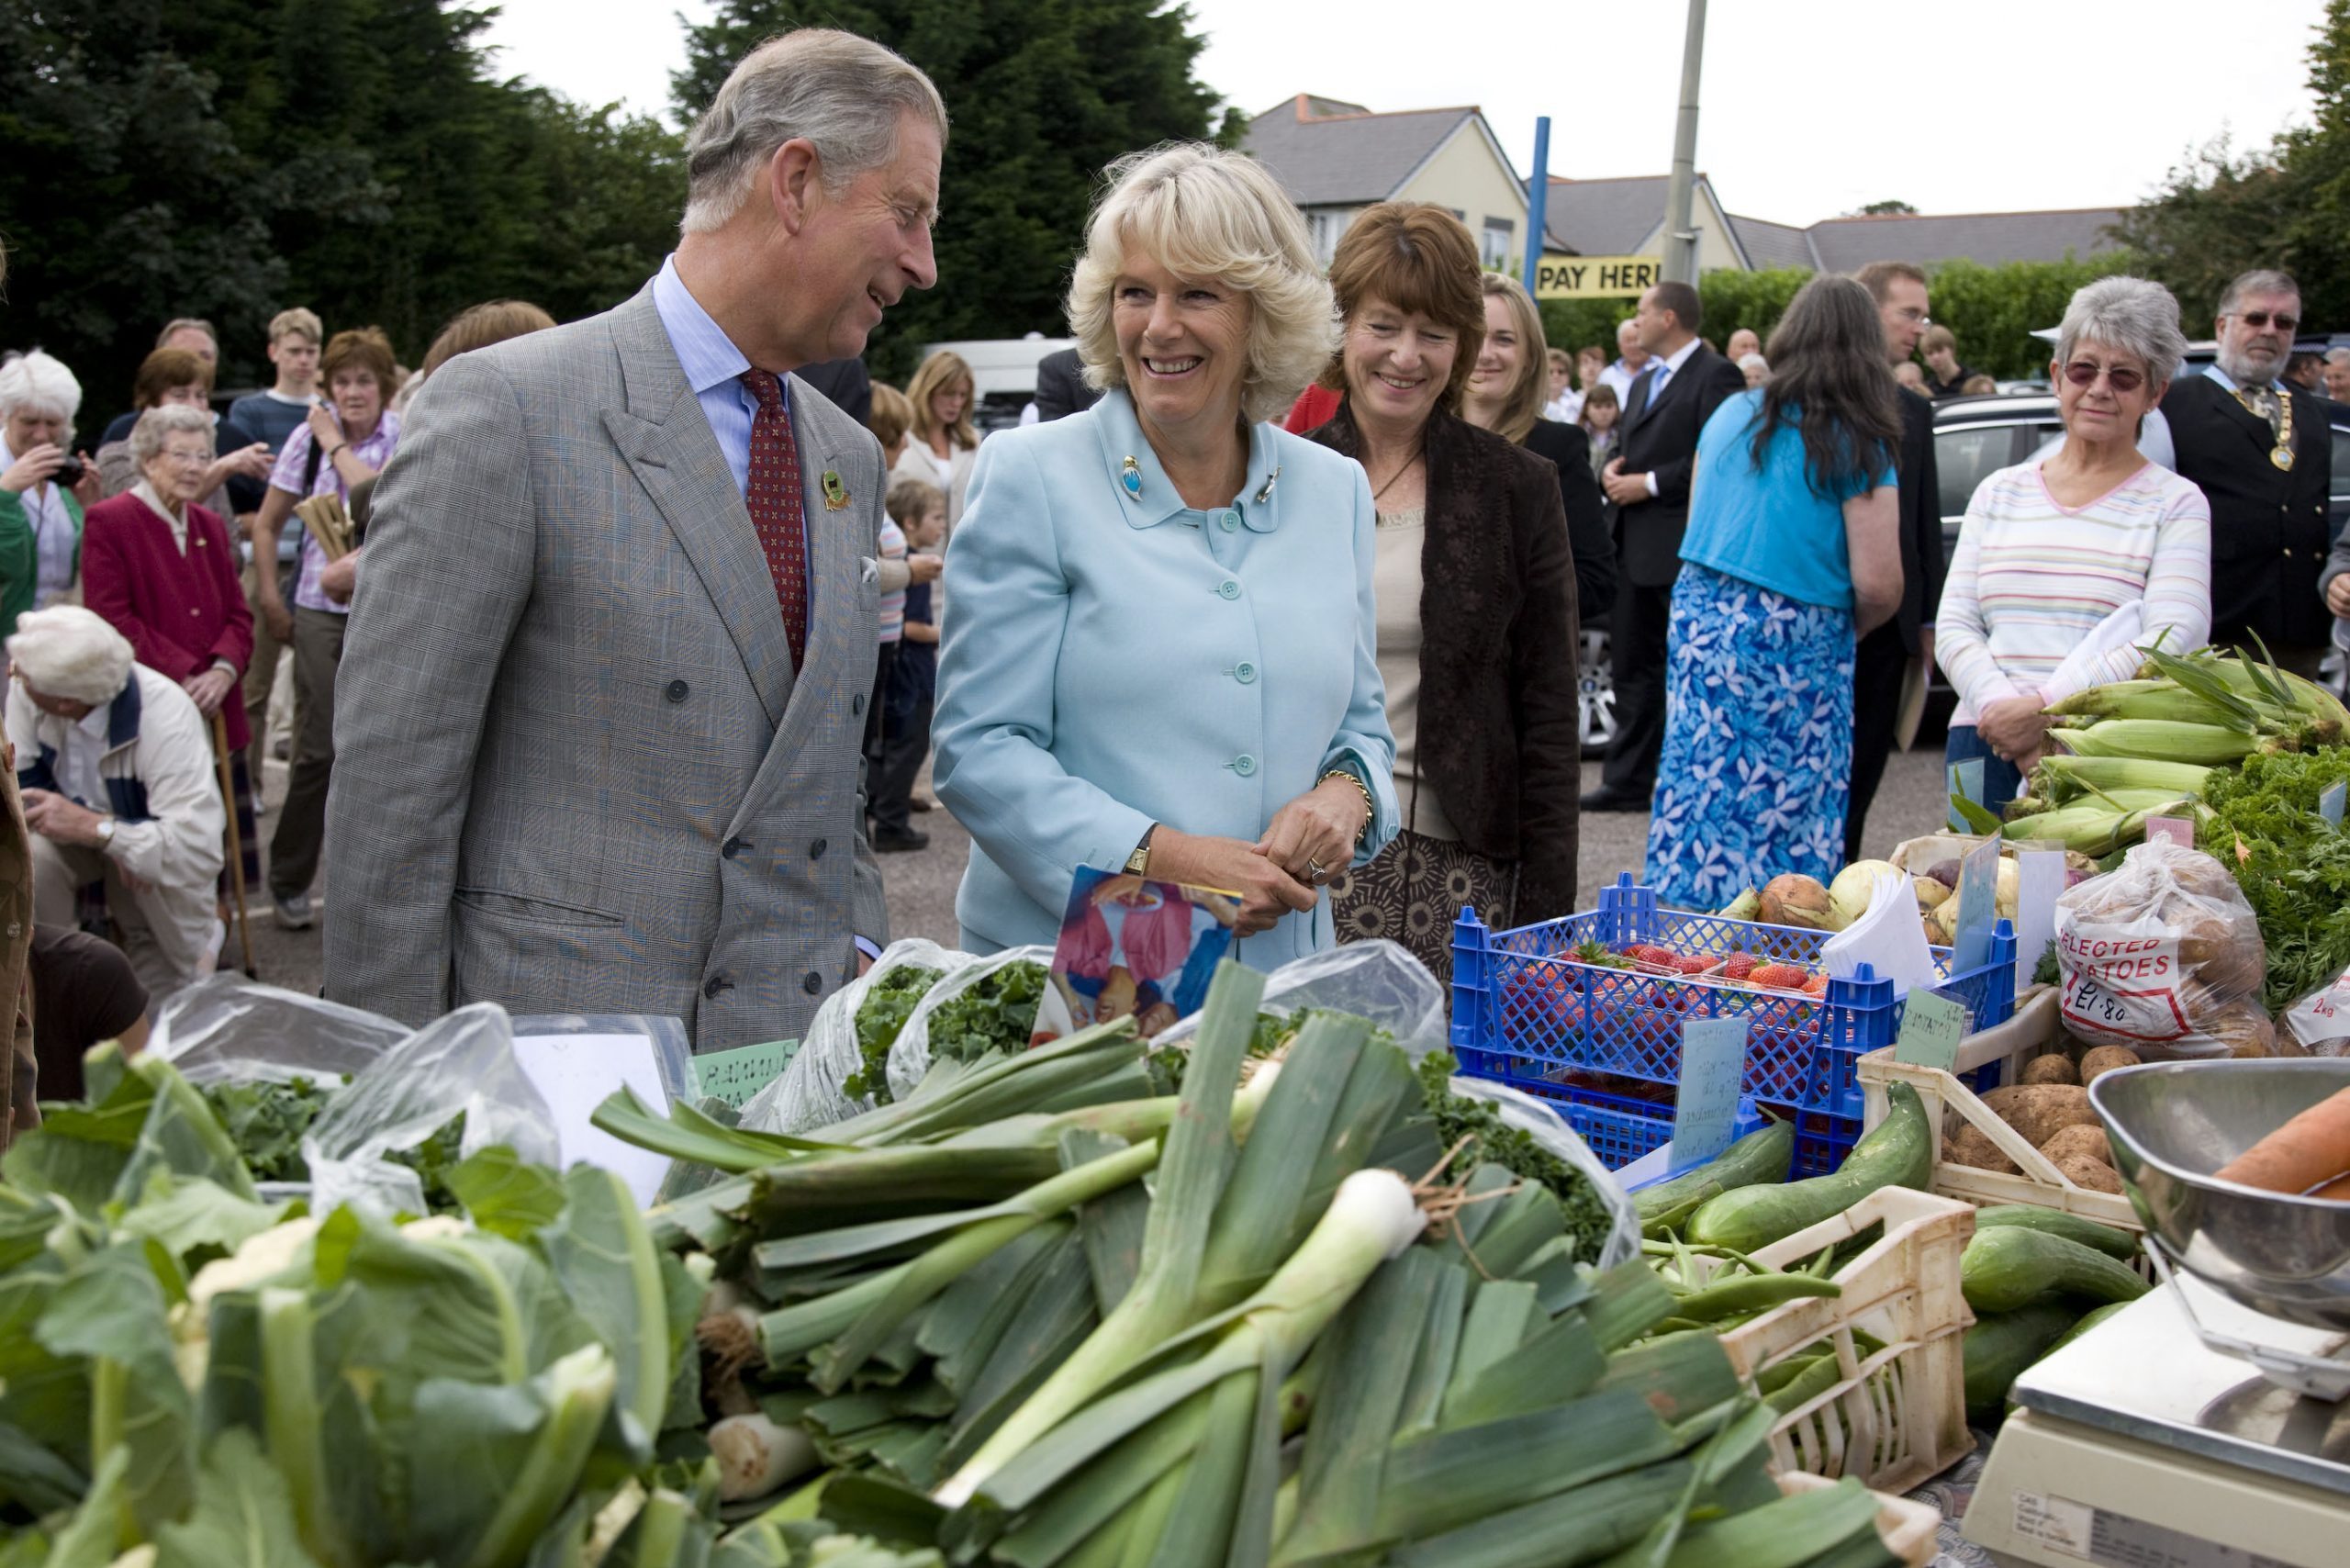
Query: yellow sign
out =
(1596, 277)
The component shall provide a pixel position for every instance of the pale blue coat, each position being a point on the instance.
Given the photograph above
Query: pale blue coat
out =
(1108, 662)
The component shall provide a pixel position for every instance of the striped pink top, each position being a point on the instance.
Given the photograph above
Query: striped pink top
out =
(2032, 579)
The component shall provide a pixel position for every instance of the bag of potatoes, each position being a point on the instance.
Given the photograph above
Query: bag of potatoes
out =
(2164, 956)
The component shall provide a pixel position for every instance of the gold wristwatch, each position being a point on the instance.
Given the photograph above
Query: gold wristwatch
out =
(1138, 863)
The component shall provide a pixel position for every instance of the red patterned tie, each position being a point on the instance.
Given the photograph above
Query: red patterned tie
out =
(774, 501)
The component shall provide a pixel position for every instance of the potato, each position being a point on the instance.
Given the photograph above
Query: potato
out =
(1968, 1146)
(2089, 1141)
(2083, 1171)
(2053, 1068)
(2105, 1059)
(2040, 1111)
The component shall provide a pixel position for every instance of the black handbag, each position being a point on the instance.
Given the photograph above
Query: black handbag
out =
(291, 573)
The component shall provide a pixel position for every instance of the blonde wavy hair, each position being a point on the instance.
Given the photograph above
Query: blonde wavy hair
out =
(938, 373)
(1207, 214)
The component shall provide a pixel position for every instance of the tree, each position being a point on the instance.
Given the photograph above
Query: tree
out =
(1884, 209)
(2287, 205)
(228, 158)
(1041, 94)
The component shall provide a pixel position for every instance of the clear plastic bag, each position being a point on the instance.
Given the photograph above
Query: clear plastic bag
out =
(1377, 980)
(2320, 1021)
(1543, 1123)
(814, 1091)
(229, 1030)
(463, 1062)
(910, 1056)
(2164, 956)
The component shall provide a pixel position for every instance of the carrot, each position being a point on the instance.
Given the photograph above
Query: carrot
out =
(2311, 1148)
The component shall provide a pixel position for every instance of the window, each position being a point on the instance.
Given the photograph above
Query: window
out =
(1324, 230)
(1501, 235)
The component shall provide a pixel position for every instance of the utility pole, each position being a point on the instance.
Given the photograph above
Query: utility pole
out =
(1680, 237)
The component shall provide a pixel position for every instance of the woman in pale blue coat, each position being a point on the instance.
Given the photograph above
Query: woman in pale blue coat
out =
(1158, 652)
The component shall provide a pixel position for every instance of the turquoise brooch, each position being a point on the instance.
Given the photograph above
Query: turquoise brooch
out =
(1130, 476)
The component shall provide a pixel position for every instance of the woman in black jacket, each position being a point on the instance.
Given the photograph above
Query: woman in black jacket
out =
(1475, 579)
(1504, 395)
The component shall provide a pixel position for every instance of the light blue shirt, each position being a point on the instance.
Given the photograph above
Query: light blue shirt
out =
(1112, 660)
(1775, 528)
(714, 368)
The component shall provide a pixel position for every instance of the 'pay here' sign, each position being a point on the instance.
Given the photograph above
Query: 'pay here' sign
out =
(1595, 277)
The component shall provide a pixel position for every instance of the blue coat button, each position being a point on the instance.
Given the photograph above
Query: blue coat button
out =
(1243, 764)
(1247, 673)
(1229, 590)
(1228, 521)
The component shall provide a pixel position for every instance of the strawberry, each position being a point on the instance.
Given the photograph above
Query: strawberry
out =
(1650, 953)
(1816, 986)
(1778, 977)
(1692, 966)
(1740, 966)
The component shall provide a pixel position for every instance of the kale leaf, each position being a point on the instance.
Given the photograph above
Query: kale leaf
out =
(266, 1120)
(888, 1003)
(2262, 823)
(1588, 1219)
(995, 1012)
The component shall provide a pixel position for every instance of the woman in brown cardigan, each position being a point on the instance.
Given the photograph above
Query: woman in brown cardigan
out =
(1476, 593)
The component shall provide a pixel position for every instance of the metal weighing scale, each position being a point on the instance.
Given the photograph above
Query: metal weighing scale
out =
(2156, 1441)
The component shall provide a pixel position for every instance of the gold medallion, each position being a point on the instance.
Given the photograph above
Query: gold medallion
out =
(2282, 456)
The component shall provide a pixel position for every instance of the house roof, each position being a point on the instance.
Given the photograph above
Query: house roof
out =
(1603, 218)
(1843, 244)
(1769, 244)
(1326, 153)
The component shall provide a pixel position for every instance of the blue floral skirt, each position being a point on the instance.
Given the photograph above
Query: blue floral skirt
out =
(1758, 742)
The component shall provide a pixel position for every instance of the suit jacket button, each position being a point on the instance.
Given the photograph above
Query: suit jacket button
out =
(732, 847)
(715, 985)
(857, 703)
(816, 850)
(812, 982)
(676, 691)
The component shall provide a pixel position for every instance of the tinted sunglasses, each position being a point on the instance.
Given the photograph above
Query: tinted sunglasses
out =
(2122, 378)
(2262, 319)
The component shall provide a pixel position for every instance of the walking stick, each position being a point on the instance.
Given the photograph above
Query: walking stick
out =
(236, 839)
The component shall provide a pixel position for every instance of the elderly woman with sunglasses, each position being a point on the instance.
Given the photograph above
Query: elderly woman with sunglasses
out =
(2051, 547)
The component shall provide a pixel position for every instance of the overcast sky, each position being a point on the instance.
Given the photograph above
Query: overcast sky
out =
(1810, 107)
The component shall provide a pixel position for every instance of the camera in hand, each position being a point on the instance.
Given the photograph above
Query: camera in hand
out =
(68, 473)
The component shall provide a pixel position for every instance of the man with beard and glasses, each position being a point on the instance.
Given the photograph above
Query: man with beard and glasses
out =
(2262, 453)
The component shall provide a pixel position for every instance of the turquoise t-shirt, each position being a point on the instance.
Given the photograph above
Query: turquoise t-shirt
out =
(1768, 526)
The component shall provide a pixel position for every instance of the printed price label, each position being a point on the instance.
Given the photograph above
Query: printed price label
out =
(2170, 830)
(1713, 1060)
(2119, 1540)
(734, 1076)
(1931, 1027)
(2329, 805)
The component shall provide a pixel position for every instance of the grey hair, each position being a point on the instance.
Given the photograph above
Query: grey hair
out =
(1751, 361)
(41, 384)
(158, 424)
(845, 94)
(2129, 315)
(2337, 357)
(71, 653)
(2260, 280)
(1208, 214)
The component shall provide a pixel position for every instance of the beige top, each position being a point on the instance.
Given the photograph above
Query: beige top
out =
(1395, 584)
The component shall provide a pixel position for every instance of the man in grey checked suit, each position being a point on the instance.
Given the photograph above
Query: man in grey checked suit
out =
(579, 769)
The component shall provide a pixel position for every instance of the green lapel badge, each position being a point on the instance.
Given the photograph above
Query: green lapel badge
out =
(835, 493)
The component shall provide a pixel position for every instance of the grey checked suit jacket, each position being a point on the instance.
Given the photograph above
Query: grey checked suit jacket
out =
(576, 771)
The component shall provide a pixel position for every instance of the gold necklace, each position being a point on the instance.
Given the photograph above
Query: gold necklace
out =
(2282, 454)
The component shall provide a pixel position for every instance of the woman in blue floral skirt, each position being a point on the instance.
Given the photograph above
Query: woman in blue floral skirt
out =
(1791, 555)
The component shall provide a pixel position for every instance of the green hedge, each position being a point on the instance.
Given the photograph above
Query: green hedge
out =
(1992, 309)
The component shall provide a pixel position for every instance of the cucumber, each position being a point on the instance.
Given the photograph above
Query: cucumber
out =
(1898, 1153)
(2011, 1267)
(2056, 1222)
(1757, 1160)
(2088, 1322)
(2000, 1348)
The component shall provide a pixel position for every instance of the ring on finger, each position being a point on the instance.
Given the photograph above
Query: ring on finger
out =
(1315, 872)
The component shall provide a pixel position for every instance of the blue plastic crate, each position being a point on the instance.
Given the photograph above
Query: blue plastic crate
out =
(1525, 1010)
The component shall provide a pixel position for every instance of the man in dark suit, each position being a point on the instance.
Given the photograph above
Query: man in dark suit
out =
(845, 383)
(1881, 663)
(2261, 453)
(1060, 386)
(1649, 481)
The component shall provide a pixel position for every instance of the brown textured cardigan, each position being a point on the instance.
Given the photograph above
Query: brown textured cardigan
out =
(1499, 733)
